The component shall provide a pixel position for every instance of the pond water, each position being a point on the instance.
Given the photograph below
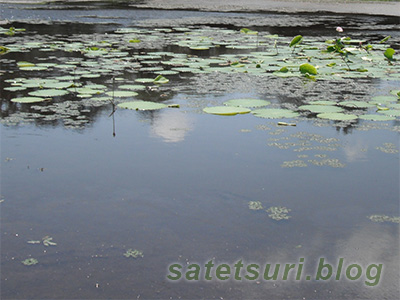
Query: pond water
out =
(84, 180)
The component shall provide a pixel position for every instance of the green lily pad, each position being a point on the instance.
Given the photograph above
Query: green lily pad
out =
(142, 105)
(337, 116)
(57, 85)
(122, 94)
(15, 88)
(382, 99)
(377, 118)
(321, 108)
(356, 104)
(144, 80)
(49, 93)
(28, 99)
(322, 102)
(247, 102)
(275, 113)
(132, 87)
(395, 93)
(391, 112)
(226, 110)
(86, 90)
(24, 64)
(30, 261)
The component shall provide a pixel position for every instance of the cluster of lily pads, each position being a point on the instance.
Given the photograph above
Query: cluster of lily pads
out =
(384, 218)
(378, 108)
(256, 53)
(275, 212)
(133, 253)
(47, 241)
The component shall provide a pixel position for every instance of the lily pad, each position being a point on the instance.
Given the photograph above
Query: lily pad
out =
(275, 113)
(356, 104)
(132, 87)
(28, 99)
(337, 116)
(30, 261)
(142, 105)
(391, 112)
(226, 110)
(321, 108)
(49, 93)
(247, 102)
(121, 94)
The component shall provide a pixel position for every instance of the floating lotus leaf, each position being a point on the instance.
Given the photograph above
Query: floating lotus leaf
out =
(15, 88)
(167, 72)
(86, 90)
(247, 102)
(121, 94)
(337, 116)
(132, 87)
(382, 99)
(27, 99)
(91, 75)
(226, 110)
(144, 80)
(356, 104)
(30, 261)
(395, 92)
(95, 86)
(248, 31)
(24, 64)
(57, 85)
(34, 68)
(322, 102)
(391, 112)
(394, 105)
(49, 93)
(275, 113)
(321, 108)
(377, 117)
(142, 105)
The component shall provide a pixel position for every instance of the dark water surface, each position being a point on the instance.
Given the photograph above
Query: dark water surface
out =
(176, 184)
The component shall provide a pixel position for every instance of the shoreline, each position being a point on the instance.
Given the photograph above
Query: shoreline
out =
(387, 8)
